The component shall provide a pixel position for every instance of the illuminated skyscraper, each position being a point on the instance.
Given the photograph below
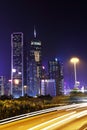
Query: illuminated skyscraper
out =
(55, 69)
(34, 67)
(2, 85)
(17, 64)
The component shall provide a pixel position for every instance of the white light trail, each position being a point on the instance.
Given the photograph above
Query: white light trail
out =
(27, 115)
(83, 113)
(72, 117)
(33, 128)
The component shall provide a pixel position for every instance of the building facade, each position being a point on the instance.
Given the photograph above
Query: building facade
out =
(55, 71)
(34, 68)
(17, 64)
(48, 87)
(2, 85)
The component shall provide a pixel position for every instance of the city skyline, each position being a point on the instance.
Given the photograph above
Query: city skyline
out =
(27, 72)
(61, 27)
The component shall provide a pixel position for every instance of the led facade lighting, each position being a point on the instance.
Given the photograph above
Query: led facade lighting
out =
(17, 64)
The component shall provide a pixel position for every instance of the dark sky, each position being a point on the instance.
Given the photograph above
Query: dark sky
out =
(61, 26)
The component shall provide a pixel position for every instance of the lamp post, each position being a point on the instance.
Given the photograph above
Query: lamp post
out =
(75, 60)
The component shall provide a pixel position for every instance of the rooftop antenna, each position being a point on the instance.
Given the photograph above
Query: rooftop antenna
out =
(34, 32)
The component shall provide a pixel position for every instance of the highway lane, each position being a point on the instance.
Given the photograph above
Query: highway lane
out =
(61, 121)
(74, 125)
(60, 118)
(30, 122)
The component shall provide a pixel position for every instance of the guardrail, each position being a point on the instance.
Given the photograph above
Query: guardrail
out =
(19, 117)
(15, 118)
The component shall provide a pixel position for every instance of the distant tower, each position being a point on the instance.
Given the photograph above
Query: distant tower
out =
(17, 64)
(35, 66)
(55, 69)
(34, 32)
(2, 85)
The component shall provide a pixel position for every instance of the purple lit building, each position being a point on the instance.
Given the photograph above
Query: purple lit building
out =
(2, 85)
(48, 87)
(17, 64)
(55, 71)
(34, 66)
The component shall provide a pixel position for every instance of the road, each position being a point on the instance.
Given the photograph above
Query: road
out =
(71, 118)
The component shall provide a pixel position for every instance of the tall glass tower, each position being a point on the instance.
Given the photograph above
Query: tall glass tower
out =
(17, 64)
(35, 66)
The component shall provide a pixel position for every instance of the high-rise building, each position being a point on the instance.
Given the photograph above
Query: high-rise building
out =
(25, 62)
(17, 64)
(2, 85)
(55, 70)
(48, 87)
(34, 66)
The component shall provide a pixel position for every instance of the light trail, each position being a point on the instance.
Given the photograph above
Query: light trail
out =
(83, 113)
(72, 117)
(50, 121)
(76, 106)
(19, 117)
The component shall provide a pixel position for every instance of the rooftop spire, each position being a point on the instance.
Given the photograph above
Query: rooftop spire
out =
(34, 32)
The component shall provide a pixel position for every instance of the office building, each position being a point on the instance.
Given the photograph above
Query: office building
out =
(34, 66)
(55, 71)
(25, 62)
(17, 64)
(2, 85)
(48, 87)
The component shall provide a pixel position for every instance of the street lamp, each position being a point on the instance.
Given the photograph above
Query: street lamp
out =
(75, 60)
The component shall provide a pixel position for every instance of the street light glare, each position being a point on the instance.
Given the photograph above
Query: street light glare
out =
(74, 60)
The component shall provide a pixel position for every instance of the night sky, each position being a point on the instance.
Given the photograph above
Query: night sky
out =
(61, 27)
